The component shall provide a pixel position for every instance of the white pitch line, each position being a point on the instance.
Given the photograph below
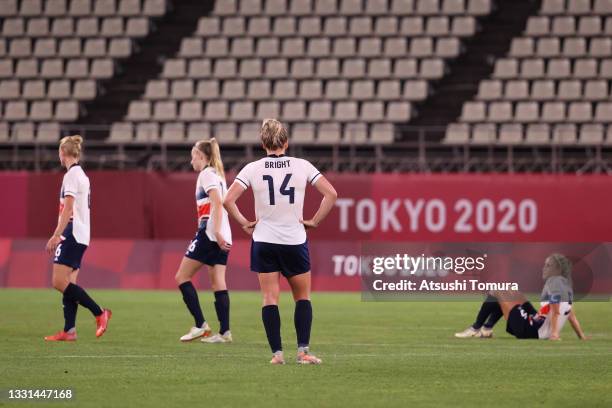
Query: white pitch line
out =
(557, 353)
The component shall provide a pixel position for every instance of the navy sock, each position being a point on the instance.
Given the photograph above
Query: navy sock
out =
(494, 317)
(190, 297)
(272, 324)
(77, 294)
(70, 311)
(303, 321)
(488, 306)
(222, 306)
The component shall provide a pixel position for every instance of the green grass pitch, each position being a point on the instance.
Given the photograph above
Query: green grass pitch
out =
(374, 354)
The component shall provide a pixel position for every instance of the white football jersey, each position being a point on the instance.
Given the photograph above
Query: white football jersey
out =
(76, 184)
(208, 179)
(557, 289)
(279, 185)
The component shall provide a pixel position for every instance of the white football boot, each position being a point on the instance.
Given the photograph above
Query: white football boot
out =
(485, 333)
(219, 338)
(197, 332)
(467, 333)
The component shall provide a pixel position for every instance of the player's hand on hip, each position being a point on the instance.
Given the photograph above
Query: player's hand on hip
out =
(222, 242)
(52, 244)
(249, 227)
(308, 224)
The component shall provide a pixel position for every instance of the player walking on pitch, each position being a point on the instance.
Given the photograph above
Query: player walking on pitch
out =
(70, 240)
(210, 246)
(279, 244)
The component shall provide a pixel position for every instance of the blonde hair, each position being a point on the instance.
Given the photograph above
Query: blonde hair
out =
(564, 264)
(71, 145)
(273, 134)
(210, 148)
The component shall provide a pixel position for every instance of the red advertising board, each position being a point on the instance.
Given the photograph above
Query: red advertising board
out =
(141, 221)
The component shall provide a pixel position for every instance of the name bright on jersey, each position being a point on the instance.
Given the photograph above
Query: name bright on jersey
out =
(465, 285)
(279, 164)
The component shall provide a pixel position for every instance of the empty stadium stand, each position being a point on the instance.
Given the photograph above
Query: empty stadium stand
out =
(340, 71)
(395, 85)
(55, 54)
(552, 87)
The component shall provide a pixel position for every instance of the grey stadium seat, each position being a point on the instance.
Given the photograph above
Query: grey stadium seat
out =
(328, 133)
(302, 133)
(565, 134)
(591, 133)
(543, 89)
(173, 132)
(537, 134)
(473, 112)
(294, 111)
(516, 90)
(526, 112)
(484, 133)
(457, 133)
(500, 112)
(339, 89)
(382, 133)
(510, 133)
(190, 111)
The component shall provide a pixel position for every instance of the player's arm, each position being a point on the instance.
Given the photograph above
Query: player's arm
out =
(62, 222)
(234, 192)
(217, 216)
(576, 325)
(553, 315)
(327, 203)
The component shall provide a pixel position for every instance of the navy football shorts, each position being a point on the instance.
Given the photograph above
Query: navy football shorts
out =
(290, 260)
(69, 252)
(203, 250)
(522, 323)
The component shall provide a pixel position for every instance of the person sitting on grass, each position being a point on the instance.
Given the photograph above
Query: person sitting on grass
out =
(523, 320)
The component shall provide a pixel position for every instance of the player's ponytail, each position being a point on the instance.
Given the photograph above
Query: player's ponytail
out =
(211, 149)
(71, 146)
(273, 134)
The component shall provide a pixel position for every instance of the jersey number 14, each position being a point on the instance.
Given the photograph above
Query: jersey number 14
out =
(283, 188)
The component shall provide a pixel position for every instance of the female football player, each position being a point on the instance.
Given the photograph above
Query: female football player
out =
(523, 321)
(279, 245)
(70, 240)
(210, 246)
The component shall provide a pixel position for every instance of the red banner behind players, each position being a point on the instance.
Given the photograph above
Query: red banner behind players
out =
(140, 205)
(142, 222)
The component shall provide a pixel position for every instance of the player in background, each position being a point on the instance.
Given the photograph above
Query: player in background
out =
(210, 246)
(70, 240)
(279, 244)
(523, 321)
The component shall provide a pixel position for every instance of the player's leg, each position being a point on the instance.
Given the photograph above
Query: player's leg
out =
(522, 321)
(270, 291)
(494, 316)
(507, 300)
(70, 307)
(187, 269)
(72, 291)
(300, 287)
(488, 315)
(60, 279)
(68, 258)
(216, 275)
